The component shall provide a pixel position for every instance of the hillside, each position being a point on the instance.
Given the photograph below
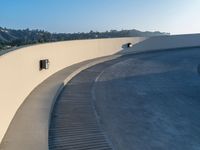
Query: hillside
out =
(14, 38)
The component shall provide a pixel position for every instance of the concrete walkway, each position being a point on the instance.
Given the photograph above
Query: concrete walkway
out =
(145, 101)
(151, 101)
(74, 124)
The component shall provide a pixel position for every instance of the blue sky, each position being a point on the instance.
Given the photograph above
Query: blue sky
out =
(174, 16)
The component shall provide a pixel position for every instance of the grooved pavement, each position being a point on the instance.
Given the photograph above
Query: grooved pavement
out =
(146, 101)
(74, 124)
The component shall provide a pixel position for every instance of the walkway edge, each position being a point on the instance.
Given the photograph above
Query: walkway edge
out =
(76, 72)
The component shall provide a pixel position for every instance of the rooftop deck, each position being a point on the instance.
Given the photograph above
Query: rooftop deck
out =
(144, 97)
(143, 101)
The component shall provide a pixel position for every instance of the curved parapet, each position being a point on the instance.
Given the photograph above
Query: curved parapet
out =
(166, 42)
(21, 72)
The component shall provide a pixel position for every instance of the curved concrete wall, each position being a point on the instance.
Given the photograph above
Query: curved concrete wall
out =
(20, 72)
(166, 42)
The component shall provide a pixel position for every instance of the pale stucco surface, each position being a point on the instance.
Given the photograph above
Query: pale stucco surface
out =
(20, 72)
(30, 126)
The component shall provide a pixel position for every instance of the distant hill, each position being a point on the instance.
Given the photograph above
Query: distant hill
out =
(14, 38)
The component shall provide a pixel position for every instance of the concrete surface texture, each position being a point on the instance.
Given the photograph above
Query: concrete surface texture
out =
(151, 101)
(20, 69)
(20, 72)
(144, 101)
(74, 124)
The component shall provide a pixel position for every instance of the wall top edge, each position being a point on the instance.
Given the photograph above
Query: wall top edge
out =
(3, 52)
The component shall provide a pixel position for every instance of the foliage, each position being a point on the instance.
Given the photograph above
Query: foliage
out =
(10, 38)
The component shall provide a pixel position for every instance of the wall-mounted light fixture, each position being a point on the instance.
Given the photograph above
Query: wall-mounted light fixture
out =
(44, 64)
(129, 45)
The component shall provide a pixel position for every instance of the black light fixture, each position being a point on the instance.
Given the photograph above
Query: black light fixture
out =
(129, 45)
(44, 64)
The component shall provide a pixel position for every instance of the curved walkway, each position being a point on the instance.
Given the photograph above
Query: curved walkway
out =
(144, 102)
(74, 123)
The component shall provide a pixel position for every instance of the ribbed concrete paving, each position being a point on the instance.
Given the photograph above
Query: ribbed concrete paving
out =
(74, 124)
(138, 102)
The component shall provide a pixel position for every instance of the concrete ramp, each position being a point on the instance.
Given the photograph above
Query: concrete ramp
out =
(143, 101)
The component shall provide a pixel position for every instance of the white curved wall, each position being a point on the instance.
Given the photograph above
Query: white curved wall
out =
(19, 69)
(166, 42)
(20, 72)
